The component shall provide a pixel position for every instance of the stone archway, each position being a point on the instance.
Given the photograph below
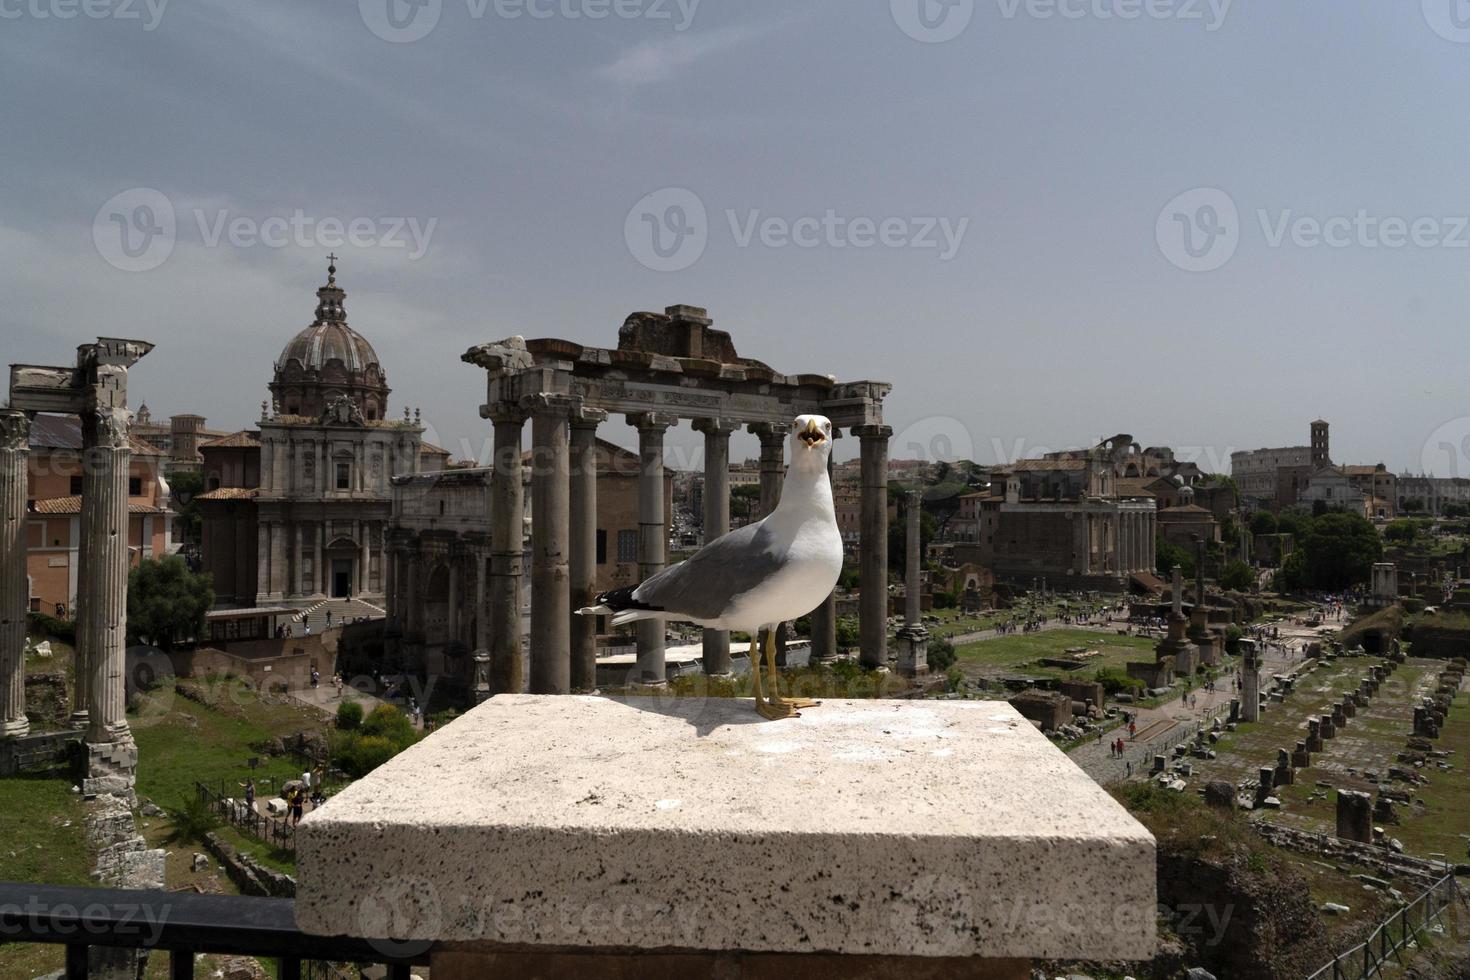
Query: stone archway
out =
(342, 569)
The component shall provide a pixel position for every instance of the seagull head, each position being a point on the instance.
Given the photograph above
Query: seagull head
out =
(811, 440)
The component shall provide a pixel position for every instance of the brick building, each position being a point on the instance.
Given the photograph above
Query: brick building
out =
(54, 510)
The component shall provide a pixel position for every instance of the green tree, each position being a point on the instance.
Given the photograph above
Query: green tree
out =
(167, 602)
(1167, 555)
(745, 501)
(848, 634)
(185, 487)
(1340, 550)
(1402, 531)
(349, 715)
(1237, 577)
(898, 537)
(1264, 522)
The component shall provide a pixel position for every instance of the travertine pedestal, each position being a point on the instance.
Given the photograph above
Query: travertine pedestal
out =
(538, 827)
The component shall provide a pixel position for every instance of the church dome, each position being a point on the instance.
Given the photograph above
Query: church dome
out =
(327, 361)
(321, 343)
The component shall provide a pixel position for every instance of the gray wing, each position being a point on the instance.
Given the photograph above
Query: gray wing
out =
(705, 586)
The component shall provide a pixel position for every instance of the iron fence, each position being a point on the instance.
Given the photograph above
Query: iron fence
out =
(269, 830)
(1408, 926)
(182, 925)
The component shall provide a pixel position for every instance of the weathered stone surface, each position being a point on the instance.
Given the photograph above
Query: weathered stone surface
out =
(872, 827)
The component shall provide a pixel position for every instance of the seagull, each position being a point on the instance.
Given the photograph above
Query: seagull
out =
(758, 576)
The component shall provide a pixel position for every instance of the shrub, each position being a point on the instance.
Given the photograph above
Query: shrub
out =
(1115, 681)
(349, 716)
(848, 634)
(388, 722)
(1237, 577)
(941, 654)
(191, 821)
(64, 630)
(361, 754)
(1233, 636)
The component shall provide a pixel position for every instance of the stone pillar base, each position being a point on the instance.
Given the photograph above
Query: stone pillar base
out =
(473, 964)
(111, 768)
(15, 729)
(913, 651)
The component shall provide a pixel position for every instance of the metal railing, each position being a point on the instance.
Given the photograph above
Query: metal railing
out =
(233, 811)
(1406, 926)
(185, 924)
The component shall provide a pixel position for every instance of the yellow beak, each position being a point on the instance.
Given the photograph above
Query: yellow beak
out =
(813, 433)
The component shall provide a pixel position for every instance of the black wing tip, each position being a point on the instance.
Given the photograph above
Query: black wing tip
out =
(620, 600)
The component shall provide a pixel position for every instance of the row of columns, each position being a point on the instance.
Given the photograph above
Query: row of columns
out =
(564, 540)
(282, 551)
(95, 390)
(1133, 541)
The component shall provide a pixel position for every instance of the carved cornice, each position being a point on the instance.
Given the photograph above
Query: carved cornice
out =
(15, 431)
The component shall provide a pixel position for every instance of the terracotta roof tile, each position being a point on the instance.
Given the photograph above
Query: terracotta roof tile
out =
(62, 506)
(243, 439)
(229, 493)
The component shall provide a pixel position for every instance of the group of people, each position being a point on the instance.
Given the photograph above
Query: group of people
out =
(311, 786)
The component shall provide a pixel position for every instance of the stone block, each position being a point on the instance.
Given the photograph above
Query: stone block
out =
(934, 829)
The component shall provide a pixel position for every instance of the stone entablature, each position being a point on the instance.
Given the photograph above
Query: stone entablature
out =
(668, 368)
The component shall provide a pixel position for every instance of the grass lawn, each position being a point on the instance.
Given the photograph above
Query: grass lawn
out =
(181, 741)
(1021, 653)
(1443, 823)
(43, 839)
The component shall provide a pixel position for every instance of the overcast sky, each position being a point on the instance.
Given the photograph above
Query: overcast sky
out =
(1201, 223)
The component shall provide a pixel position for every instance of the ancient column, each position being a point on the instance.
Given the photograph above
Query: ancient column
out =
(1178, 592)
(873, 602)
(824, 617)
(913, 639)
(262, 560)
(480, 685)
(15, 430)
(299, 586)
(364, 575)
(716, 521)
(507, 544)
(455, 598)
(583, 562)
(652, 535)
(102, 611)
(773, 472)
(773, 463)
(1116, 526)
(318, 573)
(1250, 686)
(551, 624)
(412, 607)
